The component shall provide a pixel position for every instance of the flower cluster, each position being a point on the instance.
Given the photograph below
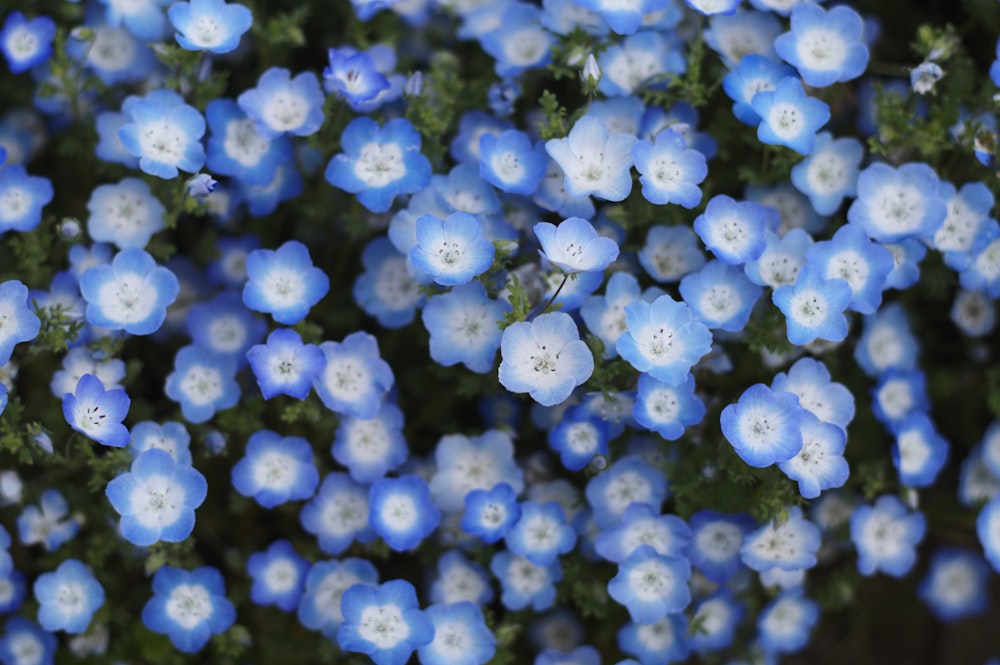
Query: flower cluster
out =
(468, 332)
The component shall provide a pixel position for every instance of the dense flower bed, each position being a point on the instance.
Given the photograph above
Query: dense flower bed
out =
(469, 331)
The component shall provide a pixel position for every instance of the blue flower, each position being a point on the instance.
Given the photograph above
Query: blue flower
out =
(453, 250)
(830, 173)
(237, 149)
(809, 380)
(325, 585)
(825, 46)
(651, 585)
(764, 426)
(988, 530)
(338, 514)
(402, 511)
(461, 636)
(754, 73)
(716, 540)
(23, 638)
(203, 382)
(644, 60)
(386, 290)
(283, 105)
(785, 623)
(80, 361)
(171, 437)
(788, 116)
(68, 597)
(541, 534)
(459, 580)
(130, 294)
(355, 378)
(663, 339)
(630, 480)
(524, 584)
(209, 25)
(720, 295)
(98, 413)
(886, 536)
(545, 358)
(925, 76)
(886, 342)
(641, 524)
(353, 75)
(463, 327)
(165, 134)
(126, 214)
(814, 307)
(22, 198)
(25, 42)
(383, 622)
(669, 171)
(284, 283)
(223, 325)
(379, 163)
(278, 575)
(284, 365)
(852, 257)
(371, 447)
(956, 585)
(579, 437)
(714, 7)
(894, 204)
(719, 616)
(490, 514)
(20, 324)
(276, 469)
(467, 463)
(188, 606)
(575, 246)
(509, 162)
(45, 525)
(733, 230)
(13, 589)
(664, 641)
(670, 252)
(790, 545)
(157, 498)
(981, 271)
(594, 160)
(517, 41)
(665, 409)
(919, 453)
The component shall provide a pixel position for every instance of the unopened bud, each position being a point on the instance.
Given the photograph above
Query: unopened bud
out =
(591, 73)
(414, 84)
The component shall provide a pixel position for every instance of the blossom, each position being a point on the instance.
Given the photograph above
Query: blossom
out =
(188, 606)
(545, 358)
(371, 447)
(284, 365)
(284, 282)
(733, 230)
(26, 42)
(17, 322)
(509, 162)
(68, 597)
(379, 163)
(788, 116)
(764, 426)
(720, 295)
(461, 636)
(825, 46)
(276, 469)
(670, 171)
(490, 514)
(453, 250)
(355, 378)
(45, 524)
(22, 198)
(886, 535)
(524, 584)
(829, 174)
(463, 327)
(519, 42)
(165, 134)
(98, 413)
(665, 409)
(651, 585)
(813, 307)
(319, 608)
(132, 293)
(126, 214)
(384, 622)
(338, 514)
(203, 382)
(281, 105)
(209, 25)
(594, 159)
(790, 545)
(541, 534)
(278, 575)
(575, 246)
(236, 148)
(641, 524)
(897, 203)
(785, 623)
(354, 75)
(663, 339)
(157, 498)
(402, 512)
(956, 584)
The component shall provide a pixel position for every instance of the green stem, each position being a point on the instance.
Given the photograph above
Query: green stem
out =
(553, 298)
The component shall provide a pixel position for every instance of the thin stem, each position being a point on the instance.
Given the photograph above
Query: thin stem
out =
(553, 298)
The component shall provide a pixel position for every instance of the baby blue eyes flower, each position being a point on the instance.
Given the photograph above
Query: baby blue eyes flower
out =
(894, 204)
(545, 358)
(283, 105)
(325, 585)
(734, 230)
(130, 294)
(278, 575)
(490, 514)
(68, 597)
(384, 622)
(665, 409)
(402, 512)
(651, 585)
(371, 447)
(453, 250)
(830, 173)
(575, 246)
(26, 42)
(165, 134)
(713, 7)
(284, 283)
(276, 469)
(764, 426)
(354, 75)
(814, 307)
(518, 42)
(509, 162)
(957, 584)
(788, 116)
(22, 198)
(784, 625)
(720, 295)
(188, 607)
(463, 327)
(379, 163)
(236, 148)
(669, 171)
(125, 214)
(461, 636)
(355, 378)
(97, 413)
(594, 160)
(48, 524)
(524, 584)
(825, 46)
(171, 437)
(919, 453)
(754, 73)
(20, 323)
(790, 545)
(663, 339)
(285, 365)
(157, 498)
(209, 25)
(22, 636)
(203, 382)
(541, 534)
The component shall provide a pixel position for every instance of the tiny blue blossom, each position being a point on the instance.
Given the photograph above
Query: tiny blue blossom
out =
(276, 469)
(284, 365)
(281, 105)
(97, 413)
(384, 622)
(545, 358)
(284, 282)
(209, 25)
(132, 293)
(188, 606)
(68, 597)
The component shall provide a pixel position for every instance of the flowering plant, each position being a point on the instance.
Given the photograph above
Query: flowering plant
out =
(463, 332)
